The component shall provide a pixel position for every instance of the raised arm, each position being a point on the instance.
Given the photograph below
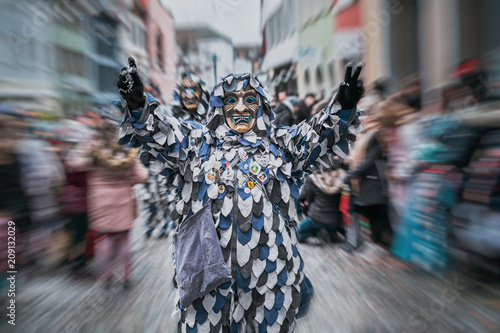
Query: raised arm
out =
(328, 133)
(164, 142)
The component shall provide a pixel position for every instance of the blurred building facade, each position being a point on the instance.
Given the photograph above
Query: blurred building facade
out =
(440, 42)
(247, 59)
(162, 48)
(62, 58)
(316, 49)
(202, 47)
(306, 43)
(280, 44)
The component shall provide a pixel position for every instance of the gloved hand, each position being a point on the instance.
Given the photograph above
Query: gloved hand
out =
(351, 89)
(130, 86)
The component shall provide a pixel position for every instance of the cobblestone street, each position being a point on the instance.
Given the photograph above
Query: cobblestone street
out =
(368, 291)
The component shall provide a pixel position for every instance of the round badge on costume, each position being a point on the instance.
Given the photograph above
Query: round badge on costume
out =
(247, 190)
(222, 188)
(254, 168)
(250, 184)
(209, 177)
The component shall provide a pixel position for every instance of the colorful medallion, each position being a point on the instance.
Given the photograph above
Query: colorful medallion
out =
(255, 168)
(250, 184)
(209, 177)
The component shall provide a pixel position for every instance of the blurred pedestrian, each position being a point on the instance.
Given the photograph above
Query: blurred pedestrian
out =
(13, 201)
(73, 195)
(284, 112)
(367, 178)
(112, 171)
(401, 135)
(300, 111)
(310, 101)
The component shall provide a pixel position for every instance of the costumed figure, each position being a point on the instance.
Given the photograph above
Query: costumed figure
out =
(250, 172)
(191, 98)
(190, 103)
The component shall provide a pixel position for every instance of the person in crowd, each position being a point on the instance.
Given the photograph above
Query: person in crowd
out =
(73, 194)
(189, 103)
(112, 171)
(42, 174)
(190, 98)
(320, 198)
(367, 179)
(284, 112)
(401, 137)
(250, 172)
(15, 218)
(310, 101)
(73, 199)
(300, 111)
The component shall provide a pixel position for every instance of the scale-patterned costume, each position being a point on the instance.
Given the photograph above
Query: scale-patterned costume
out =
(177, 109)
(253, 180)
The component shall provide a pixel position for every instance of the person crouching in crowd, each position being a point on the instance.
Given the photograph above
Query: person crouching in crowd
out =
(320, 198)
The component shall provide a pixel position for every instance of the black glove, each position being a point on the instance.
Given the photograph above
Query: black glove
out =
(351, 89)
(130, 86)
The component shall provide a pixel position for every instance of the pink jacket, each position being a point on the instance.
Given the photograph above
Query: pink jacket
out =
(111, 206)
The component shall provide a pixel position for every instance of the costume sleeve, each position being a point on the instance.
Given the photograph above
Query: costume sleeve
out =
(317, 141)
(164, 142)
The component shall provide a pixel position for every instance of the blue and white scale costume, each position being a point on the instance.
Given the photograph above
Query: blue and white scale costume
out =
(253, 180)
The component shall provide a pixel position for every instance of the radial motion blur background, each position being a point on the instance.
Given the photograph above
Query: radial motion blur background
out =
(59, 63)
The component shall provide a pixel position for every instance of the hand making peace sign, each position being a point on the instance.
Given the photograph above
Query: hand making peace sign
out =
(351, 89)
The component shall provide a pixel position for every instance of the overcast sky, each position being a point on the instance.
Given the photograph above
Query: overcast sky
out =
(237, 19)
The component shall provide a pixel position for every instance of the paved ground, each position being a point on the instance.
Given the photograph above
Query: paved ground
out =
(368, 291)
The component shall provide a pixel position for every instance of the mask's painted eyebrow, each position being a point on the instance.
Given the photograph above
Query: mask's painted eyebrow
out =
(239, 94)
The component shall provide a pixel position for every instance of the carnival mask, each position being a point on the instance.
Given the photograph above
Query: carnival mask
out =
(190, 93)
(240, 109)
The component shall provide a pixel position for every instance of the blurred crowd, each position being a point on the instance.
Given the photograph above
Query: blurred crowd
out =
(423, 185)
(70, 193)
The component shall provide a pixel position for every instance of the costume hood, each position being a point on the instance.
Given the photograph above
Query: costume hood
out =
(215, 118)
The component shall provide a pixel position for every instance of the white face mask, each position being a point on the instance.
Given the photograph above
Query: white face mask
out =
(240, 109)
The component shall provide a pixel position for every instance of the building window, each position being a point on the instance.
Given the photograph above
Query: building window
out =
(70, 62)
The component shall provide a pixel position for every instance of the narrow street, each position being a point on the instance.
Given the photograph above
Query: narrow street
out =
(368, 291)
